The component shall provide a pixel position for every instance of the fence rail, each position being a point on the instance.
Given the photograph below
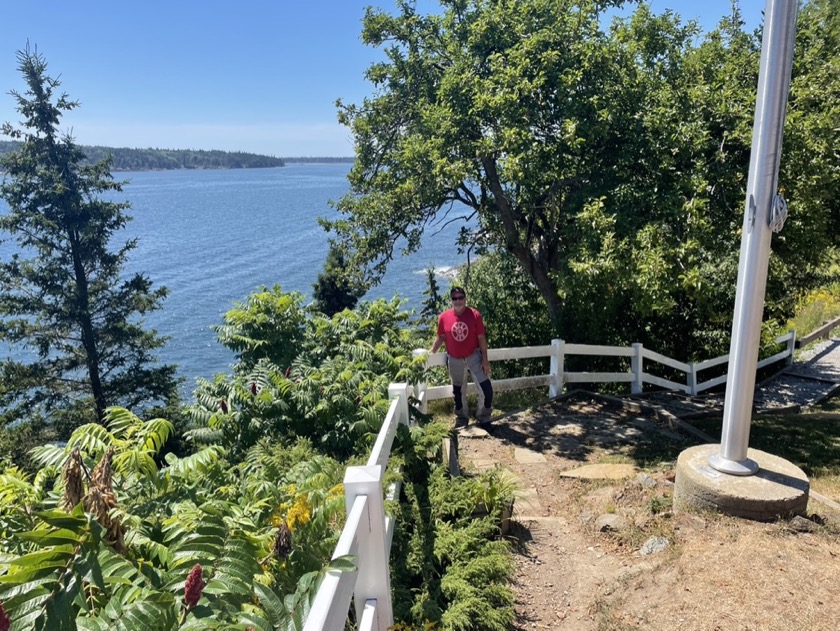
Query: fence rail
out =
(821, 332)
(367, 537)
(368, 532)
(637, 376)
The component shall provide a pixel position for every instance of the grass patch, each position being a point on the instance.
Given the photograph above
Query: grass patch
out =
(810, 441)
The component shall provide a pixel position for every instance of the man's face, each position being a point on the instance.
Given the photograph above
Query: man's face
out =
(459, 301)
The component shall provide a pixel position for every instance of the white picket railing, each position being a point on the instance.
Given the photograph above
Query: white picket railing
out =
(557, 377)
(368, 532)
(367, 536)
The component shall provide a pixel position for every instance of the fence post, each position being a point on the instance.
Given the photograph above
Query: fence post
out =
(636, 365)
(555, 379)
(420, 388)
(692, 379)
(400, 391)
(791, 345)
(374, 578)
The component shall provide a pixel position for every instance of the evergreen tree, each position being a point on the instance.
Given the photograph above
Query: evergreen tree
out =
(432, 302)
(71, 318)
(334, 290)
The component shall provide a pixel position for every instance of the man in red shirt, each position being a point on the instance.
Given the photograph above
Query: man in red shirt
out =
(461, 328)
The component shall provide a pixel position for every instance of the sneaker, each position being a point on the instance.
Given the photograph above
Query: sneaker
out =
(461, 421)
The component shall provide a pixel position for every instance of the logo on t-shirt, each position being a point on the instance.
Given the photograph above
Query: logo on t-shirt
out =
(460, 331)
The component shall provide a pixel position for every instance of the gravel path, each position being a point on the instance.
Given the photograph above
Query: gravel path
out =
(813, 377)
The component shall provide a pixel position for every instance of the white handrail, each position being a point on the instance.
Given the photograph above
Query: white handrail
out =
(636, 376)
(367, 536)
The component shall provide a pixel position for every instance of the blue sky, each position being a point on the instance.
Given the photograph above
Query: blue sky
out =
(252, 75)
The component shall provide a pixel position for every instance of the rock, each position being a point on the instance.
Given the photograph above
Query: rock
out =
(802, 524)
(654, 545)
(644, 480)
(610, 522)
(601, 495)
(527, 456)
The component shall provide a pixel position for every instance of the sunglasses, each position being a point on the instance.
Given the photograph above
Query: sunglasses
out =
(458, 297)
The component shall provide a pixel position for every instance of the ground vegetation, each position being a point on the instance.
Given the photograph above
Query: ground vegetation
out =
(238, 531)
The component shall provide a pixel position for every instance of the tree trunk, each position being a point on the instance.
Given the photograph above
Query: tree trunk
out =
(528, 259)
(85, 321)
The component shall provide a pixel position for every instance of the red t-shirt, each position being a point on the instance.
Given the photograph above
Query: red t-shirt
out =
(461, 331)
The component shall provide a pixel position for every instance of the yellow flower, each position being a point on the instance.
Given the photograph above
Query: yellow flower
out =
(298, 513)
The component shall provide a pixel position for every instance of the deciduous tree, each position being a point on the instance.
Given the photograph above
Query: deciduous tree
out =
(609, 161)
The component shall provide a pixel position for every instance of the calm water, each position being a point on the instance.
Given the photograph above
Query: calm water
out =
(213, 237)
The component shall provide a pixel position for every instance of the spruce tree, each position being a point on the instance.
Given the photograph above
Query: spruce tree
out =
(335, 290)
(433, 302)
(71, 321)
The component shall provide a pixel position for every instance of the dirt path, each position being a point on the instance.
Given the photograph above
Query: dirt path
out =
(598, 547)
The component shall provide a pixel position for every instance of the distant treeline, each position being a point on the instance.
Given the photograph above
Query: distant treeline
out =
(126, 159)
(318, 160)
(164, 159)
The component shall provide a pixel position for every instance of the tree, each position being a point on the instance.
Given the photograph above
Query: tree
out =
(74, 320)
(433, 301)
(334, 290)
(810, 167)
(524, 114)
(610, 162)
(268, 325)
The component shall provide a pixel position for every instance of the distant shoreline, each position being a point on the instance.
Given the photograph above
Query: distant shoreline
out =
(151, 159)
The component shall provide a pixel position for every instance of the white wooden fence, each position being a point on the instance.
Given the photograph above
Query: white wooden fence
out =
(557, 377)
(367, 536)
(368, 532)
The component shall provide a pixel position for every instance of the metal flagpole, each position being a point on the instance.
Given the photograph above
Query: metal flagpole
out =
(764, 213)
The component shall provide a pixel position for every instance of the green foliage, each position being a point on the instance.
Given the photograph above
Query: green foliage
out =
(135, 443)
(237, 411)
(61, 570)
(334, 289)
(610, 163)
(72, 320)
(334, 388)
(251, 518)
(268, 325)
(433, 303)
(449, 566)
(810, 166)
(16, 441)
(815, 309)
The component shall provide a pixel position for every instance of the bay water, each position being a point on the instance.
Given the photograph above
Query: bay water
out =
(212, 237)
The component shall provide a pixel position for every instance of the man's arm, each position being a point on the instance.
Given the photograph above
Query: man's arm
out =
(485, 358)
(439, 340)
